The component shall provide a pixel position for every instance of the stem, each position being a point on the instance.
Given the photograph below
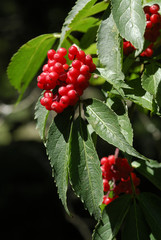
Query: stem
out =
(116, 153)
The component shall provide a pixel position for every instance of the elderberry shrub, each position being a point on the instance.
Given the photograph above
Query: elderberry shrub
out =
(152, 31)
(118, 178)
(64, 84)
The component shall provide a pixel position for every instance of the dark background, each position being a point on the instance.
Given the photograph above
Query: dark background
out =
(29, 204)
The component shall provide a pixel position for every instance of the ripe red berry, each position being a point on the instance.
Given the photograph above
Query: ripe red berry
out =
(73, 50)
(80, 55)
(71, 56)
(51, 53)
(56, 107)
(84, 69)
(72, 94)
(148, 52)
(154, 8)
(146, 9)
(81, 80)
(45, 68)
(65, 66)
(106, 186)
(64, 101)
(48, 94)
(149, 24)
(51, 62)
(104, 160)
(58, 67)
(63, 91)
(76, 64)
(69, 87)
(62, 51)
(54, 76)
(155, 18)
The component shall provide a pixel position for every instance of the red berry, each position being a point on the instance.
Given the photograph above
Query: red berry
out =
(76, 64)
(51, 53)
(65, 66)
(72, 94)
(46, 101)
(48, 94)
(147, 15)
(106, 186)
(40, 85)
(54, 76)
(56, 107)
(73, 50)
(45, 68)
(104, 160)
(154, 8)
(146, 9)
(70, 87)
(111, 159)
(51, 62)
(64, 101)
(149, 24)
(70, 56)
(58, 67)
(62, 51)
(81, 79)
(80, 55)
(63, 91)
(74, 72)
(62, 76)
(88, 59)
(148, 52)
(155, 18)
(84, 69)
(92, 67)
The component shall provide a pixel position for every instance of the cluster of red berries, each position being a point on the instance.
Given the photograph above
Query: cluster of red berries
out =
(64, 84)
(152, 31)
(118, 178)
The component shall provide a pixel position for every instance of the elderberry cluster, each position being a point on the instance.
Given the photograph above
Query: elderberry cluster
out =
(64, 84)
(118, 178)
(152, 31)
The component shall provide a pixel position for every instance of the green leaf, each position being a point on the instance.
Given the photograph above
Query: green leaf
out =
(112, 218)
(58, 151)
(130, 20)
(109, 48)
(151, 81)
(85, 171)
(97, 8)
(151, 205)
(138, 95)
(27, 61)
(41, 115)
(151, 170)
(78, 12)
(135, 227)
(105, 122)
(121, 110)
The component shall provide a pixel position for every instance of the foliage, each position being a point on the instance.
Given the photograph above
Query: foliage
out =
(127, 81)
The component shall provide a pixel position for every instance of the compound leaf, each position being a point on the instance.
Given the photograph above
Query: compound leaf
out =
(112, 218)
(130, 20)
(58, 151)
(78, 12)
(27, 61)
(105, 123)
(85, 171)
(135, 226)
(109, 48)
(151, 206)
(41, 115)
